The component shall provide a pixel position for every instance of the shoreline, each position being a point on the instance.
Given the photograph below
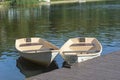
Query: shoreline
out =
(62, 2)
(7, 3)
(69, 1)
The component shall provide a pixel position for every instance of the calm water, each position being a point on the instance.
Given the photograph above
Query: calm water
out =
(55, 23)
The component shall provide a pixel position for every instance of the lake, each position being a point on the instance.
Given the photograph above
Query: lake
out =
(56, 24)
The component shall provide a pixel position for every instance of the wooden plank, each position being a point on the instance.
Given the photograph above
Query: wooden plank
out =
(30, 44)
(79, 51)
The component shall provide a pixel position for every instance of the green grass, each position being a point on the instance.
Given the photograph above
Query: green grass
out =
(6, 3)
(24, 2)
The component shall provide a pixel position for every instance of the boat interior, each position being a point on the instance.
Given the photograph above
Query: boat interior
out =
(34, 44)
(74, 46)
(78, 46)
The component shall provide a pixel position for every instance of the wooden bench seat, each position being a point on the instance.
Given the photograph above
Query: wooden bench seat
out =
(82, 44)
(79, 51)
(30, 44)
(36, 51)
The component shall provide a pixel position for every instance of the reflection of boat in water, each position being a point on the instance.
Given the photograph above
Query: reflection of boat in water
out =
(30, 69)
(81, 49)
(37, 50)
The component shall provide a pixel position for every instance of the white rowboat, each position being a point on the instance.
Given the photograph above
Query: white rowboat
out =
(80, 49)
(37, 50)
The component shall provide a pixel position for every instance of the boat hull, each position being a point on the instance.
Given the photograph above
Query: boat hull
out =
(42, 58)
(80, 58)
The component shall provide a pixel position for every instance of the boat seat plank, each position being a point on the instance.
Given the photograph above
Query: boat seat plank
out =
(79, 51)
(79, 54)
(29, 44)
(82, 44)
(36, 51)
(39, 50)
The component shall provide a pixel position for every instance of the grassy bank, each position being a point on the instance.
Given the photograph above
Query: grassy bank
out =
(35, 2)
(63, 1)
(6, 3)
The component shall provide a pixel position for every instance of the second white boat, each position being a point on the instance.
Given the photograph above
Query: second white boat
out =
(80, 49)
